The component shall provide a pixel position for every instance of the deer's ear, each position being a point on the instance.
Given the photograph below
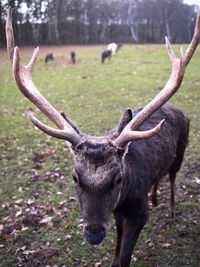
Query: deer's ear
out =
(125, 119)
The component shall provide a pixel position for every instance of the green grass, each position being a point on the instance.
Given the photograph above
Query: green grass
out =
(94, 96)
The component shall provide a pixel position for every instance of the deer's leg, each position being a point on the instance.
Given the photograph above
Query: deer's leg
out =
(131, 231)
(153, 194)
(119, 225)
(172, 177)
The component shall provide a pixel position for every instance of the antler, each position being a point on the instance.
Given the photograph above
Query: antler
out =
(22, 75)
(129, 133)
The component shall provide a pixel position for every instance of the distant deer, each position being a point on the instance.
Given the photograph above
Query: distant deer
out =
(114, 48)
(73, 57)
(111, 49)
(106, 55)
(115, 172)
(49, 57)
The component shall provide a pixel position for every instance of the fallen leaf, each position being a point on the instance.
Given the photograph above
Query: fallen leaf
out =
(97, 264)
(19, 201)
(166, 245)
(197, 180)
(68, 237)
(18, 213)
(30, 202)
(47, 221)
(1, 228)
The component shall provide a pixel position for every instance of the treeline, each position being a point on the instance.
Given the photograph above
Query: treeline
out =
(49, 22)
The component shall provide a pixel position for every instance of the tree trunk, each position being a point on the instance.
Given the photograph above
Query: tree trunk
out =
(53, 32)
(167, 28)
(103, 31)
(133, 25)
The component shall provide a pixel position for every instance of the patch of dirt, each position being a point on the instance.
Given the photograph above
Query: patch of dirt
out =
(32, 219)
(65, 62)
(58, 51)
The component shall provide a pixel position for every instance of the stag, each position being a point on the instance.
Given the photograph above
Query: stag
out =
(114, 173)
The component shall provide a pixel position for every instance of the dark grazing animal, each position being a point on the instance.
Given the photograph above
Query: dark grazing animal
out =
(49, 57)
(106, 55)
(73, 57)
(114, 173)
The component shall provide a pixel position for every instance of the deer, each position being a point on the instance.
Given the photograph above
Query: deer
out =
(73, 57)
(114, 173)
(49, 57)
(114, 48)
(106, 55)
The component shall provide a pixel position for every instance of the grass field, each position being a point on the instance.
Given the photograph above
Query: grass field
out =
(40, 222)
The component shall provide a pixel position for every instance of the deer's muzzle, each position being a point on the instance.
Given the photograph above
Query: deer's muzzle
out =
(94, 234)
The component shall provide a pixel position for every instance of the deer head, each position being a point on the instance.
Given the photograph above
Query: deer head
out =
(100, 171)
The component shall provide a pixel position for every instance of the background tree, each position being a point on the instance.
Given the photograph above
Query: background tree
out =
(98, 21)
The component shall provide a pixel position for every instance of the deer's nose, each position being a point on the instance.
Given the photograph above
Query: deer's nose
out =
(94, 234)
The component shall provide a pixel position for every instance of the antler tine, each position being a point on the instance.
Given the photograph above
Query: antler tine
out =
(74, 139)
(128, 135)
(24, 82)
(170, 51)
(33, 59)
(173, 84)
(22, 75)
